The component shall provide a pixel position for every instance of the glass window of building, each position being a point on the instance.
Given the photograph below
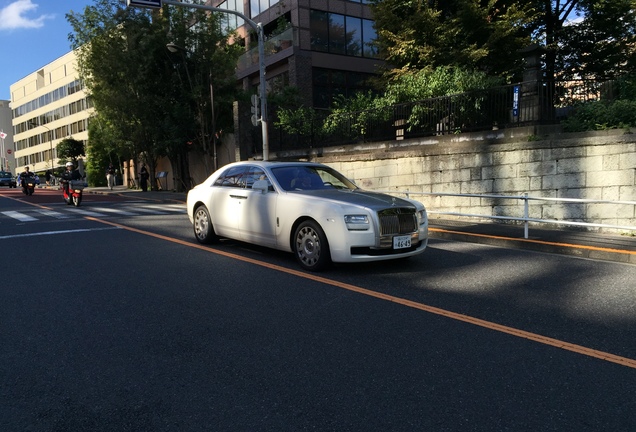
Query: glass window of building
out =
(337, 39)
(342, 34)
(319, 29)
(230, 22)
(259, 6)
(354, 36)
(329, 83)
(368, 39)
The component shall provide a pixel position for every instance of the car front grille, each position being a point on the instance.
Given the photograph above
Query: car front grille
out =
(399, 220)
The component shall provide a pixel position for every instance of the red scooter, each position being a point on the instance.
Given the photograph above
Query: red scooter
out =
(72, 191)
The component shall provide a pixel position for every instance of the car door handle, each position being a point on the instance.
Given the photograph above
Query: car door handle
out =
(238, 196)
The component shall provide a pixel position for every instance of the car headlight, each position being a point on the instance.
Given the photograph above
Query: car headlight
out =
(357, 222)
(421, 216)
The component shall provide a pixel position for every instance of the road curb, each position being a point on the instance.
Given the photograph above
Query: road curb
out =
(538, 244)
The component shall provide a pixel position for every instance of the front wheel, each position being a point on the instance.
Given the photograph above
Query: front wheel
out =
(77, 199)
(203, 229)
(311, 247)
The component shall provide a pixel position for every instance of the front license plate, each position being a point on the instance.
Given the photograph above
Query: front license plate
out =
(401, 242)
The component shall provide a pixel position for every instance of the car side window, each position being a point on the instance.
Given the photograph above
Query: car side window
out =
(255, 174)
(284, 176)
(233, 177)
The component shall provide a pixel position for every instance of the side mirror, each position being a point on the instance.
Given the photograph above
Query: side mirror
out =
(261, 185)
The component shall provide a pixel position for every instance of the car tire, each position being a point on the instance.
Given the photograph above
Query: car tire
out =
(311, 247)
(203, 229)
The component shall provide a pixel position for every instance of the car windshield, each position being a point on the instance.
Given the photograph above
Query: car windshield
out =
(5, 175)
(307, 177)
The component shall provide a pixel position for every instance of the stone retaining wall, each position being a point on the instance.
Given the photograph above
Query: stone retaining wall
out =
(599, 166)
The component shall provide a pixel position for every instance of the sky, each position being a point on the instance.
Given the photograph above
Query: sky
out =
(33, 33)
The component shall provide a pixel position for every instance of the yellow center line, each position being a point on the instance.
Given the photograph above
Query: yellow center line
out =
(542, 242)
(624, 361)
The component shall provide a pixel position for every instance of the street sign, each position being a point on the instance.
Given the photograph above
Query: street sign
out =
(9, 151)
(3, 135)
(156, 4)
(515, 101)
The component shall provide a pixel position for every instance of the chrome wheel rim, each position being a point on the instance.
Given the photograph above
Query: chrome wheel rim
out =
(308, 246)
(201, 224)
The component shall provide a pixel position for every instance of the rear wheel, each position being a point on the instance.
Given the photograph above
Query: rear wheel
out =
(311, 247)
(203, 229)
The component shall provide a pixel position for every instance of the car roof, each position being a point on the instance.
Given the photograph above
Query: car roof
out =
(271, 164)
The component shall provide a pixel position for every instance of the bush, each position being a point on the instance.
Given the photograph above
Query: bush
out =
(602, 115)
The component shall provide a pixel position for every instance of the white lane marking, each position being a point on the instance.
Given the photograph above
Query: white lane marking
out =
(112, 210)
(86, 212)
(181, 208)
(57, 232)
(19, 216)
(163, 208)
(149, 211)
(54, 214)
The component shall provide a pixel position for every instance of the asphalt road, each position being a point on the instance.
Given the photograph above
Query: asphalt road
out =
(117, 321)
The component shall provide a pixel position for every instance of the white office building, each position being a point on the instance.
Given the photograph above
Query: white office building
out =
(48, 106)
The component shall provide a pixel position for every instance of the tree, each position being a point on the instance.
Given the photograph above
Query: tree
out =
(107, 146)
(480, 35)
(602, 45)
(579, 38)
(70, 149)
(139, 89)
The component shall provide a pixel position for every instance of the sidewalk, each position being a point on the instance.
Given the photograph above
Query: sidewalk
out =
(584, 244)
(160, 196)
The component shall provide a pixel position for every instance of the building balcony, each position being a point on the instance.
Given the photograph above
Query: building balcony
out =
(273, 45)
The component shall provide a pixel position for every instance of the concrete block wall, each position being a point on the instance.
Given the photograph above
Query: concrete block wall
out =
(599, 166)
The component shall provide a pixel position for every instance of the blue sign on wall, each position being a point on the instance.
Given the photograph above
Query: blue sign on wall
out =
(144, 3)
(515, 101)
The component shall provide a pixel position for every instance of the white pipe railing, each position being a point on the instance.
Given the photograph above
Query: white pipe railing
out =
(526, 219)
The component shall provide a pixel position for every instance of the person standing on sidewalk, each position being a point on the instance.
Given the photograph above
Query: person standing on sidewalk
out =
(110, 176)
(143, 178)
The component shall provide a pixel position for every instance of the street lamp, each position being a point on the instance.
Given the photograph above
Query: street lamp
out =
(33, 124)
(173, 48)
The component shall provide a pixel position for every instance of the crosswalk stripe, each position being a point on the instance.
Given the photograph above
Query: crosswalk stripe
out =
(177, 207)
(70, 212)
(54, 214)
(19, 216)
(150, 211)
(112, 210)
(86, 212)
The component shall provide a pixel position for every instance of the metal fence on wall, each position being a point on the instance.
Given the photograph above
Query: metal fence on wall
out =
(524, 211)
(521, 104)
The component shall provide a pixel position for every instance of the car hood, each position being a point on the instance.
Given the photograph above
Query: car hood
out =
(373, 200)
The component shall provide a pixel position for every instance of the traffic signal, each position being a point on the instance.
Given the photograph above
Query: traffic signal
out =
(255, 110)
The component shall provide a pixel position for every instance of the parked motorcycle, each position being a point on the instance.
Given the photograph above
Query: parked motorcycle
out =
(72, 191)
(28, 185)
